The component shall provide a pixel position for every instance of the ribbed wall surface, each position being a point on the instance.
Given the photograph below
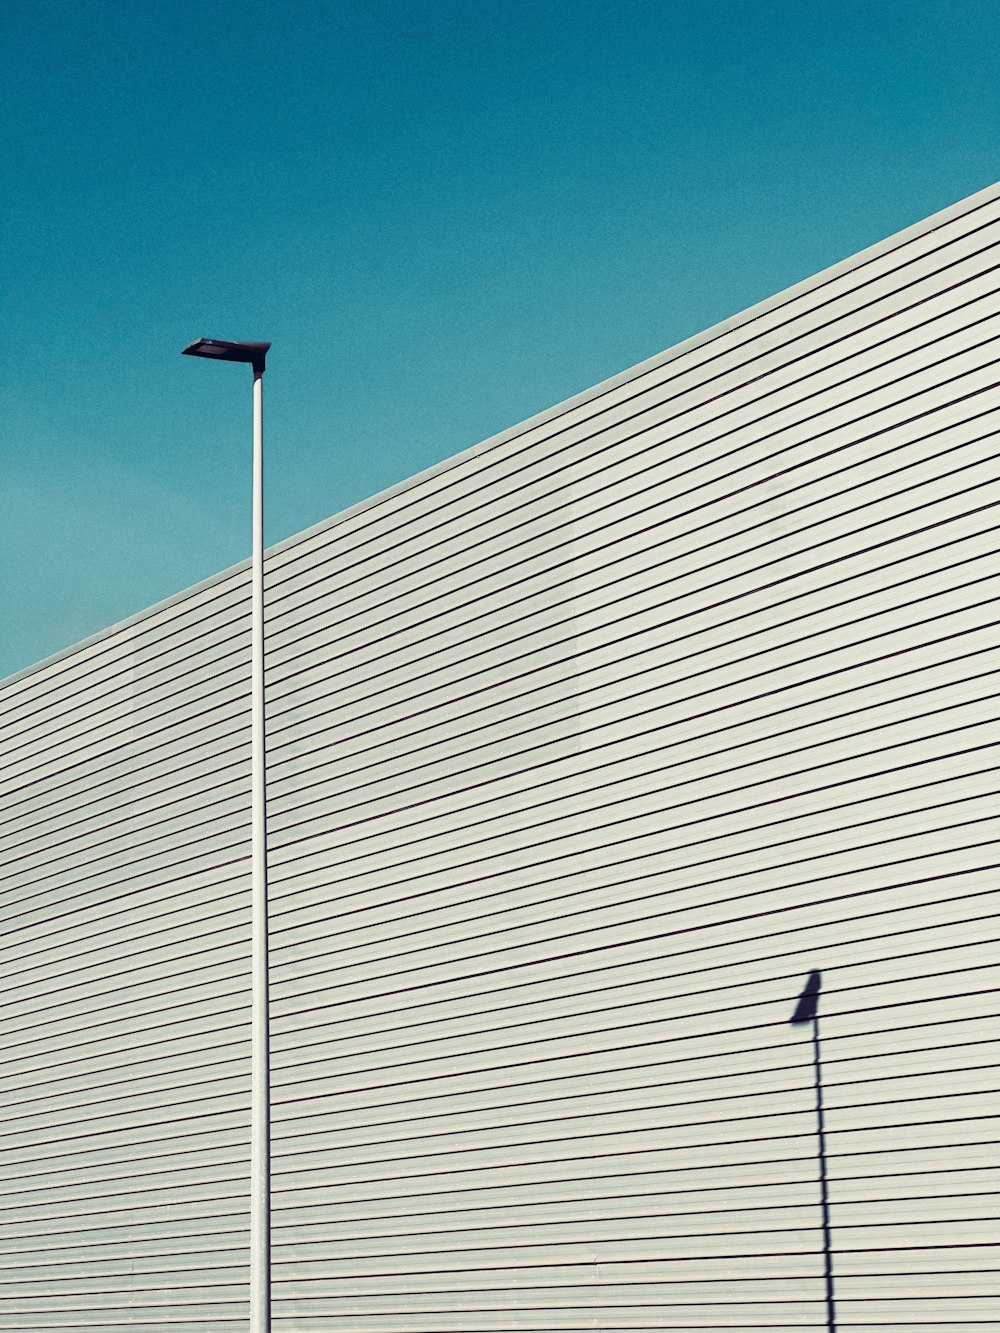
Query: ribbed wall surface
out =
(124, 995)
(585, 750)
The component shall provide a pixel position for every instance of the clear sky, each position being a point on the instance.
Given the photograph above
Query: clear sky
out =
(445, 215)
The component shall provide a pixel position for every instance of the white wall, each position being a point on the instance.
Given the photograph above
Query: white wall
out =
(124, 977)
(585, 749)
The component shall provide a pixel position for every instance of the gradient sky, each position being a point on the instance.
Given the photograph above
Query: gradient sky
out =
(445, 216)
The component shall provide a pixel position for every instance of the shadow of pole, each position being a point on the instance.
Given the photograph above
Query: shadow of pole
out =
(807, 1012)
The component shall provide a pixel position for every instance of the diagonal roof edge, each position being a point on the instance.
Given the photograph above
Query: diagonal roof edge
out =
(962, 206)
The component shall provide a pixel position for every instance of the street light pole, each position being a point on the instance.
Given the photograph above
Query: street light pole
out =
(260, 1076)
(254, 354)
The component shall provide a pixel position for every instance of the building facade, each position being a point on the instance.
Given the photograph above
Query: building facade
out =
(586, 748)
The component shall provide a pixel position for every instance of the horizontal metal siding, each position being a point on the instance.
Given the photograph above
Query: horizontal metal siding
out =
(583, 752)
(124, 993)
(555, 482)
(864, 285)
(583, 755)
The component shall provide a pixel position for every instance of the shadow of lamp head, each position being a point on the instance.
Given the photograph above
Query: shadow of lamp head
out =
(808, 1004)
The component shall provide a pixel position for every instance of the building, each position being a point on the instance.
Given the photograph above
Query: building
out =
(587, 747)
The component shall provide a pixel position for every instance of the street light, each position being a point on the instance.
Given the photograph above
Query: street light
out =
(254, 354)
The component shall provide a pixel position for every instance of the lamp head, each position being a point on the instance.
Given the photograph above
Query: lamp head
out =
(218, 349)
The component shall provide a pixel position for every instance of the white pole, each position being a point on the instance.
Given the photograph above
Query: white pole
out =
(260, 1127)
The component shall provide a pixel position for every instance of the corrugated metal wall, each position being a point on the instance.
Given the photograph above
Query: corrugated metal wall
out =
(124, 990)
(584, 751)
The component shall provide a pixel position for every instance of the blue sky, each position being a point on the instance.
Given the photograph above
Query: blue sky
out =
(445, 216)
